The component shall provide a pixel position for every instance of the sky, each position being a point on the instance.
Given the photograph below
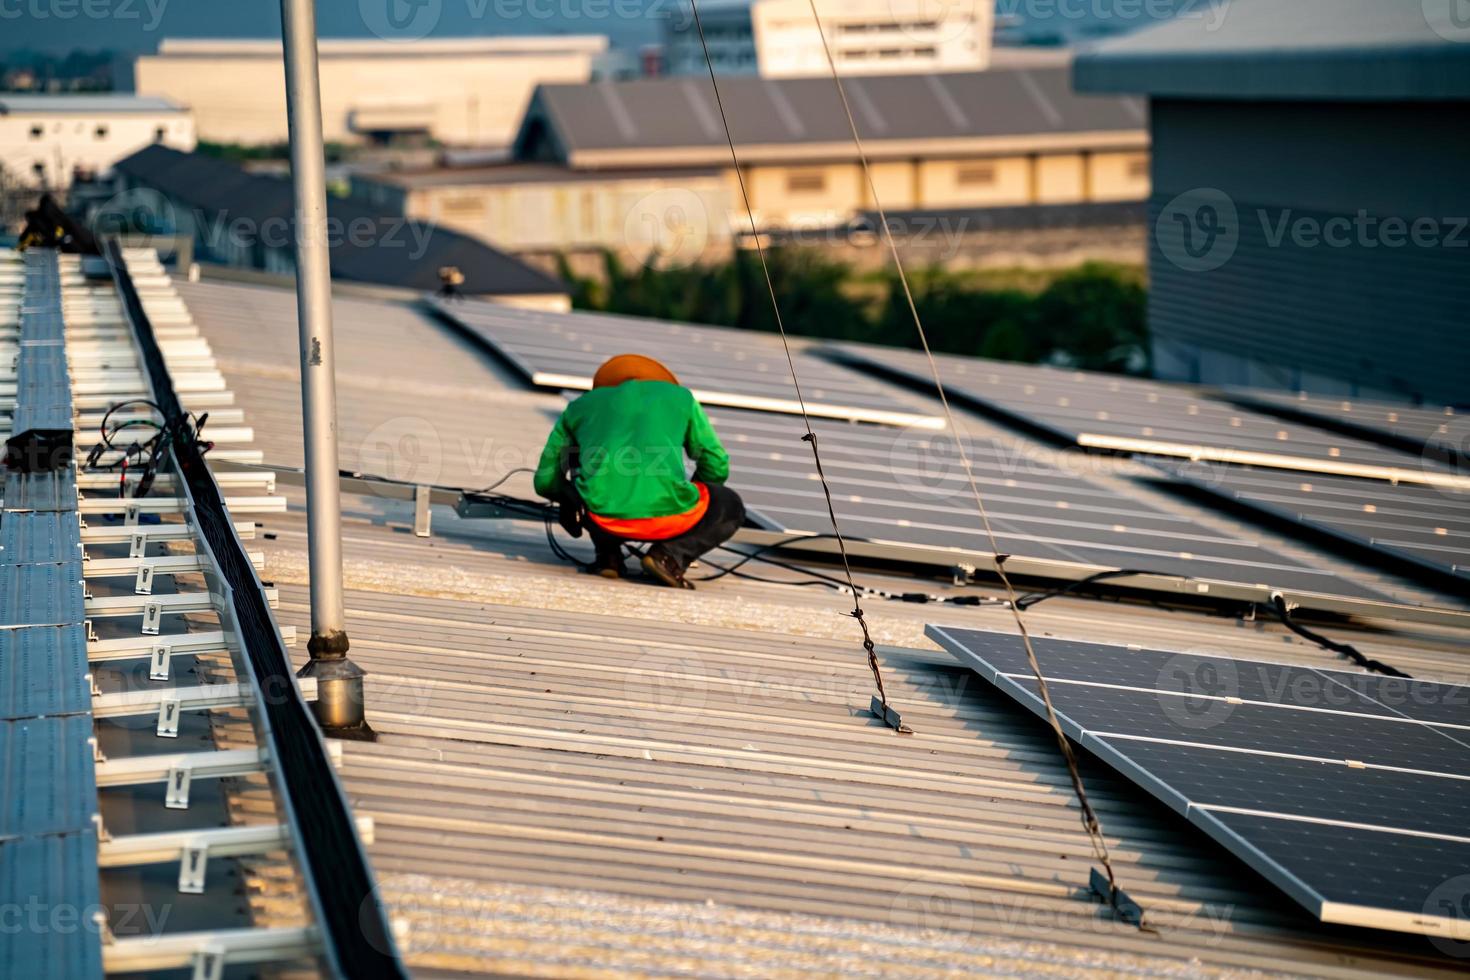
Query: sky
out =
(137, 25)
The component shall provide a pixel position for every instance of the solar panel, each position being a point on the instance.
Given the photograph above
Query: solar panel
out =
(736, 368)
(1426, 526)
(907, 487)
(1109, 412)
(1350, 793)
(1441, 432)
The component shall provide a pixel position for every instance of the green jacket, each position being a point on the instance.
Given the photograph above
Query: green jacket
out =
(632, 440)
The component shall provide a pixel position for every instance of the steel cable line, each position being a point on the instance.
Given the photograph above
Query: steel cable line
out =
(1089, 817)
(888, 715)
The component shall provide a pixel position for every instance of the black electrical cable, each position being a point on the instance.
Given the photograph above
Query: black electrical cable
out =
(1278, 606)
(498, 483)
(147, 456)
(1033, 598)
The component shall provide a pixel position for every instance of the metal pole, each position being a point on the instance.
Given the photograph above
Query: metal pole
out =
(339, 708)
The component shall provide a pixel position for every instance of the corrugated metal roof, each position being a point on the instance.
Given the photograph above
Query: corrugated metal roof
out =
(1305, 49)
(102, 104)
(367, 245)
(578, 777)
(649, 114)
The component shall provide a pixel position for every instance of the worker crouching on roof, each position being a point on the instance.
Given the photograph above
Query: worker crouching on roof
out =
(618, 452)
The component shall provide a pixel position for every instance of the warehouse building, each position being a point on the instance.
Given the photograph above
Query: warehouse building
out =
(461, 91)
(47, 141)
(605, 164)
(1309, 199)
(780, 39)
(230, 217)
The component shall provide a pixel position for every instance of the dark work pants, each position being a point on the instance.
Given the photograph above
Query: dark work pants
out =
(724, 517)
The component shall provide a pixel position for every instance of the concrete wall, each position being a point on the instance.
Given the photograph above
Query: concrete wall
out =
(809, 195)
(631, 216)
(871, 37)
(1314, 276)
(46, 148)
(462, 93)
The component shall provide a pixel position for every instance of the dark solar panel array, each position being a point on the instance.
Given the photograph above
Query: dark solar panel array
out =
(1092, 409)
(1350, 792)
(48, 798)
(1441, 432)
(907, 486)
(1427, 526)
(738, 368)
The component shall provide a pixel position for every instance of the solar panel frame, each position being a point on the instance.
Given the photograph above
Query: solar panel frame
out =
(722, 366)
(1132, 415)
(1442, 432)
(1427, 527)
(882, 494)
(996, 657)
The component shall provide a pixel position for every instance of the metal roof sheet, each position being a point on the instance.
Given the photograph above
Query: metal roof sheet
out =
(578, 776)
(656, 113)
(368, 245)
(1341, 50)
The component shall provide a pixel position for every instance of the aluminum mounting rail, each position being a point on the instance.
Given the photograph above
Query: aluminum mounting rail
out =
(348, 934)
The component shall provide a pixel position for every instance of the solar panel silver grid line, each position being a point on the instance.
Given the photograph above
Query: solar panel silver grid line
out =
(1427, 526)
(884, 492)
(1441, 431)
(1137, 416)
(722, 366)
(1364, 841)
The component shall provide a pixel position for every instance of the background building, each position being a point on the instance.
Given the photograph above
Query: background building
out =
(1310, 206)
(644, 164)
(48, 140)
(779, 39)
(234, 218)
(458, 91)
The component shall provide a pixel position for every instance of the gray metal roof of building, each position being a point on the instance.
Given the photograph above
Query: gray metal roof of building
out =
(387, 249)
(583, 777)
(1343, 50)
(652, 117)
(98, 104)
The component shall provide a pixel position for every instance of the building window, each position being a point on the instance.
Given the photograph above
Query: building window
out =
(37, 132)
(39, 169)
(810, 182)
(975, 175)
(101, 132)
(1138, 168)
(159, 134)
(462, 206)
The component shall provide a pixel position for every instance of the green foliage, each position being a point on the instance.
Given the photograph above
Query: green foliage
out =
(1093, 316)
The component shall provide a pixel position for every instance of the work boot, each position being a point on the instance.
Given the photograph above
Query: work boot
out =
(610, 565)
(659, 565)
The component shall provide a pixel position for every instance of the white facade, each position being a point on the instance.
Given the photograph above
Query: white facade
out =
(873, 37)
(46, 140)
(464, 92)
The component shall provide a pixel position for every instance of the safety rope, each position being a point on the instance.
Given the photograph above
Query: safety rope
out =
(889, 716)
(1089, 816)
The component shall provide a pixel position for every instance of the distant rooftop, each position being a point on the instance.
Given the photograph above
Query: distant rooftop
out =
(1305, 49)
(89, 104)
(675, 121)
(407, 255)
(355, 47)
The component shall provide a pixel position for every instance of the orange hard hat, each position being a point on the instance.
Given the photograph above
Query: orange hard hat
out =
(631, 367)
